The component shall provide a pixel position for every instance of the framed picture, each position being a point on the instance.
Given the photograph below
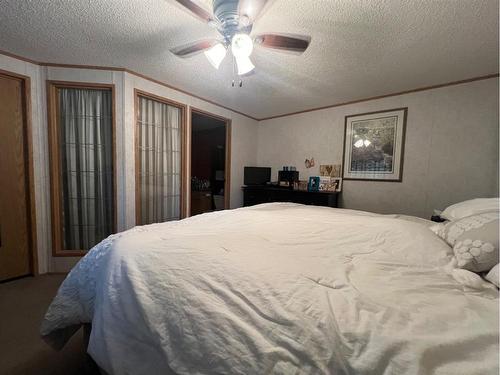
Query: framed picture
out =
(374, 145)
(338, 184)
(332, 170)
(330, 184)
(313, 184)
(301, 185)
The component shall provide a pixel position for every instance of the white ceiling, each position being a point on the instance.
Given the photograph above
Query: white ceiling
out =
(359, 48)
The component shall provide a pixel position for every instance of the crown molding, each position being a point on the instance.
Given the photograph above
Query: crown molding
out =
(164, 84)
(129, 71)
(425, 88)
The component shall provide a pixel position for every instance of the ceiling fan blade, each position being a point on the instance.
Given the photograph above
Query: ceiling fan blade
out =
(251, 9)
(295, 43)
(191, 49)
(196, 10)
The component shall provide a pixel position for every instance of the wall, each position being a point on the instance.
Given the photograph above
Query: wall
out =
(244, 130)
(451, 149)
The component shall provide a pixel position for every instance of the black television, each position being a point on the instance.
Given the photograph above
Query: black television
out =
(256, 175)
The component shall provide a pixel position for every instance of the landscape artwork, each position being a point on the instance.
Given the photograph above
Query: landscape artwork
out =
(374, 144)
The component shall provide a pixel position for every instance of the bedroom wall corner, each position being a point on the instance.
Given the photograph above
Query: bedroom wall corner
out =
(451, 148)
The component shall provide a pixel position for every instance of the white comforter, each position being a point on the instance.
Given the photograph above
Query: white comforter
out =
(281, 289)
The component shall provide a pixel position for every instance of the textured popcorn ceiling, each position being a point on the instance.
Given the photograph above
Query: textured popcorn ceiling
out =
(359, 48)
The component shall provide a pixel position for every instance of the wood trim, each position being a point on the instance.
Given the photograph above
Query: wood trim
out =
(227, 182)
(136, 161)
(55, 160)
(186, 171)
(183, 108)
(119, 69)
(227, 170)
(18, 57)
(29, 164)
(403, 139)
(184, 155)
(425, 88)
(209, 114)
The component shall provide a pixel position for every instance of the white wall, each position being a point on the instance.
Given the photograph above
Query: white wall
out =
(451, 148)
(243, 143)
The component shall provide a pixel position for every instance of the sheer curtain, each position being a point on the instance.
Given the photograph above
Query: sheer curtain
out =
(86, 149)
(159, 126)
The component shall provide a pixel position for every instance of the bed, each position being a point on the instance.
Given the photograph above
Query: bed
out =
(278, 289)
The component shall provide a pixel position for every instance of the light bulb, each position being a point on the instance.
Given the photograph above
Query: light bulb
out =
(244, 65)
(242, 45)
(216, 54)
(358, 143)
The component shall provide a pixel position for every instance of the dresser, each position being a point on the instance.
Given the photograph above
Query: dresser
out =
(253, 195)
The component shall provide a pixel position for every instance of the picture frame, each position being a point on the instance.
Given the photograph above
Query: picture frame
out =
(301, 185)
(374, 145)
(330, 184)
(331, 170)
(313, 184)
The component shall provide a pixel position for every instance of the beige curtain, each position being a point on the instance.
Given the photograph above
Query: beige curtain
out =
(160, 161)
(86, 148)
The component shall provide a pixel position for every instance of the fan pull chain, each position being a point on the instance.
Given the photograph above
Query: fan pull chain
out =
(232, 58)
(240, 84)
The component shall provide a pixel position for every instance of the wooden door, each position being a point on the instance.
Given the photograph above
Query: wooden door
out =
(14, 220)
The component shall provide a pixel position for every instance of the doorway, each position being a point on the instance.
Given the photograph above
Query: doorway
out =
(16, 198)
(210, 162)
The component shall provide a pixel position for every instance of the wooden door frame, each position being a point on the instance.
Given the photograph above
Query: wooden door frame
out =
(227, 167)
(55, 161)
(183, 193)
(29, 167)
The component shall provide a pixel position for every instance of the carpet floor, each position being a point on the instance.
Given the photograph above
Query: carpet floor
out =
(23, 303)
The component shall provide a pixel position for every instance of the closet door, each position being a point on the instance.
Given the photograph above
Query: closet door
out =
(159, 159)
(14, 198)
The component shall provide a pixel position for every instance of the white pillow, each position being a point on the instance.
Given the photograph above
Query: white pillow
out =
(474, 240)
(493, 276)
(470, 207)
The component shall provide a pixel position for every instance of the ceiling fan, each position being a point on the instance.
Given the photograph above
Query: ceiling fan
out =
(234, 19)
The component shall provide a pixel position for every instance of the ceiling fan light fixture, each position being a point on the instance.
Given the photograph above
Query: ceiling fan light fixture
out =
(241, 45)
(216, 54)
(244, 65)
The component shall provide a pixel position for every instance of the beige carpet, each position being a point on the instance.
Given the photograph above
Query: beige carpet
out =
(23, 303)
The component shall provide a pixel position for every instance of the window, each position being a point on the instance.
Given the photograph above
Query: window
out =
(159, 159)
(81, 129)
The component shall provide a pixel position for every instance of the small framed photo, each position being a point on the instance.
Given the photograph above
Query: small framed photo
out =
(313, 184)
(300, 185)
(374, 145)
(330, 184)
(338, 184)
(331, 170)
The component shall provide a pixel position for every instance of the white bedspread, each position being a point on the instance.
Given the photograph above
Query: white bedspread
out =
(281, 289)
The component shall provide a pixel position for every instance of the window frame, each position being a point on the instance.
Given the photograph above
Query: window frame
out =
(55, 161)
(183, 109)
